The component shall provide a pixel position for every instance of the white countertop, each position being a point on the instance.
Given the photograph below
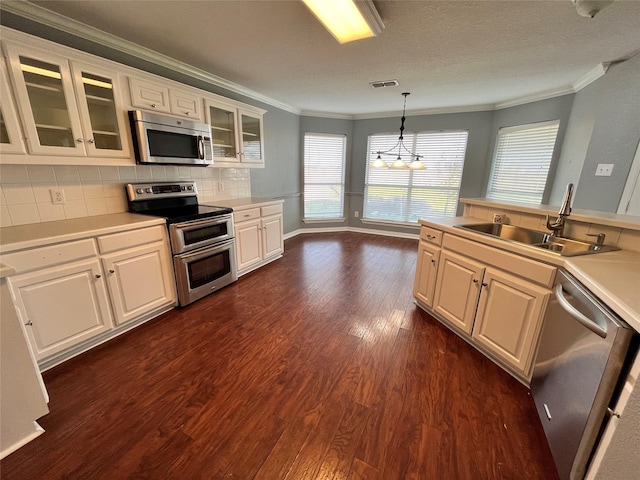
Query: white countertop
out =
(36, 234)
(614, 277)
(630, 222)
(240, 203)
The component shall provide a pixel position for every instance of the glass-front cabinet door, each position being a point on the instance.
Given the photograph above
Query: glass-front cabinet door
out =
(46, 100)
(100, 111)
(10, 135)
(67, 107)
(251, 128)
(223, 121)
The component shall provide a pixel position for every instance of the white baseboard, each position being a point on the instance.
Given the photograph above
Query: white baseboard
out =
(37, 431)
(370, 231)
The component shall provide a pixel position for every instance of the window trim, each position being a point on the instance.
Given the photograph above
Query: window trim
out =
(412, 138)
(341, 216)
(517, 128)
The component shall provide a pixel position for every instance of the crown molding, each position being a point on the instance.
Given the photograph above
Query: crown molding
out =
(590, 77)
(59, 22)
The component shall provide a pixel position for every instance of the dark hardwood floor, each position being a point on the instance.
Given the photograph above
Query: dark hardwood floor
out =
(317, 366)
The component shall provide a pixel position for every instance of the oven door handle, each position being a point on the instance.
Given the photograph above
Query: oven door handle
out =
(194, 224)
(206, 251)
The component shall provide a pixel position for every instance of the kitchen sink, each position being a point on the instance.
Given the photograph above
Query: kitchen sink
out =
(534, 238)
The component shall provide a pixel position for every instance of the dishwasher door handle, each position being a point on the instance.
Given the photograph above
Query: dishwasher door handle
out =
(571, 310)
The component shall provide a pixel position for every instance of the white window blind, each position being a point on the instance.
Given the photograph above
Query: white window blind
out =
(408, 195)
(324, 157)
(521, 162)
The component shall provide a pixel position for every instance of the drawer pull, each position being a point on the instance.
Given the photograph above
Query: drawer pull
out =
(431, 237)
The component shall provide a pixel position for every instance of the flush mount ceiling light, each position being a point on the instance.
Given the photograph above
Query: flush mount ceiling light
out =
(399, 149)
(589, 8)
(345, 20)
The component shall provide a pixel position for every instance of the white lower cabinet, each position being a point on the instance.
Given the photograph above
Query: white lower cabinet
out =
(259, 236)
(71, 296)
(140, 280)
(509, 317)
(457, 289)
(500, 313)
(62, 306)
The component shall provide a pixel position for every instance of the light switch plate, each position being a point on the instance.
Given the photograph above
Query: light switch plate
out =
(604, 169)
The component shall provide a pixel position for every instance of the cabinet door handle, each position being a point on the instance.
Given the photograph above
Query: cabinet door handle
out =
(91, 140)
(153, 105)
(433, 261)
(79, 140)
(29, 323)
(112, 271)
(485, 284)
(475, 280)
(98, 275)
(187, 113)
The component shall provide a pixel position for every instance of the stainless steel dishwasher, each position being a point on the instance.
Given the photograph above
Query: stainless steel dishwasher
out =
(582, 352)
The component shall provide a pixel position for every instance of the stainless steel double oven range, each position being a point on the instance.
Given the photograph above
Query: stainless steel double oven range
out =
(201, 236)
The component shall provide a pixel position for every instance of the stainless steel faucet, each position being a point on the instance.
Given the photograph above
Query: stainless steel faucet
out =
(557, 227)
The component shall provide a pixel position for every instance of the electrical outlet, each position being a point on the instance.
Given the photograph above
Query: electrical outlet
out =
(604, 169)
(356, 214)
(498, 218)
(57, 196)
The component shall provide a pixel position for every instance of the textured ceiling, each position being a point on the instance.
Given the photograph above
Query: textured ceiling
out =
(446, 53)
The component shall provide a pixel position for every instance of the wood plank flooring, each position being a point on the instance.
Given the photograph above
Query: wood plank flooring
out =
(317, 366)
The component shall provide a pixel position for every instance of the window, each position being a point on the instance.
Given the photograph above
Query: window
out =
(521, 162)
(408, 195)
(324, 157)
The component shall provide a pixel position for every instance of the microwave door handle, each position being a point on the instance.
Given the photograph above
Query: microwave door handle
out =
(200, 147)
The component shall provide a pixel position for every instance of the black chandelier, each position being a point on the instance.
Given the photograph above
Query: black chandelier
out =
(399, 163)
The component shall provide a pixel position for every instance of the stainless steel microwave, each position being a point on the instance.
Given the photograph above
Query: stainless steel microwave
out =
(165, 139)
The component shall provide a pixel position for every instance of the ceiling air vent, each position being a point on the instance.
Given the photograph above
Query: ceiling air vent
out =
(384, 83)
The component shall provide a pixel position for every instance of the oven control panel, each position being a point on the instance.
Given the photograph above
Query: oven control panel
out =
(148, 191)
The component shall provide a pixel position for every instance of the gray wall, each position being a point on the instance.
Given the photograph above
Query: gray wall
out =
(599, 124)
(478, 125)
(615, 135)
(541, 111)
(281, 176)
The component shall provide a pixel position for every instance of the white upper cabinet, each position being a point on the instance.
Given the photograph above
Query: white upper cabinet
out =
(149, 95)
(155, 96)
(10, 134)
(66, 109)
(101, 111)
(46, 101)
(236, 132)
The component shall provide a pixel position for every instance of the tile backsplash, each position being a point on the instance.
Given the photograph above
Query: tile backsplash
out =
(25, 190)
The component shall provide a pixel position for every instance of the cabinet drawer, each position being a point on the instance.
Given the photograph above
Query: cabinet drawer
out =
(271, 209)
(131, 238)
(37, 258)
(532, 270)
(249, 214)
(431, 235)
